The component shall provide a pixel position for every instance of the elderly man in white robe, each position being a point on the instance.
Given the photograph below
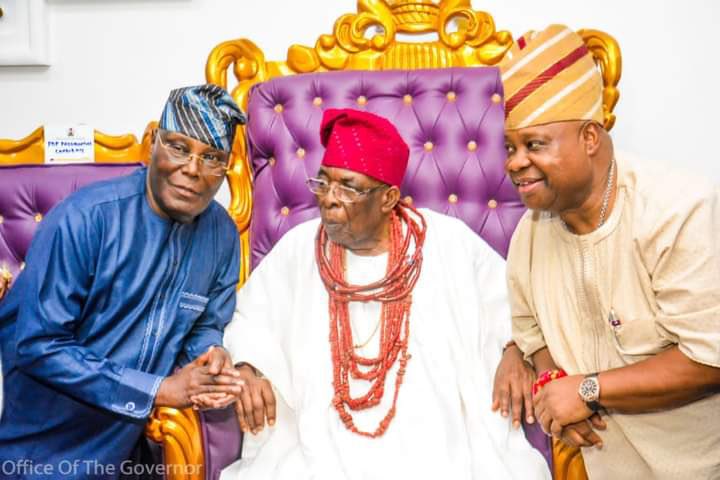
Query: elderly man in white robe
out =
(368, 339)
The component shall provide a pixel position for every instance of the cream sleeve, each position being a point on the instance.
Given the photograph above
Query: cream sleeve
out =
(680, 245)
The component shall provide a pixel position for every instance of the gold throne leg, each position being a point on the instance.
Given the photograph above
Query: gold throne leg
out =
(178, 431)
(567, 462)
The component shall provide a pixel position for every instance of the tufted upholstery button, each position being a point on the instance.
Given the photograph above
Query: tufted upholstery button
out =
(453, 198)
(300, 152)
(408, 199)
(496, 98)
(472, 145)
(362, 100)
(278, 108)
(38, 217)
(284, 211)
(130, 406)
(407, 99)
(271, 161)
(492, 203)
(317, 101)
(451, 96)
(428, 146)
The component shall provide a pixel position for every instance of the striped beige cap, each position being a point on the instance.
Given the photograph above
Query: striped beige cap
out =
(550, 76)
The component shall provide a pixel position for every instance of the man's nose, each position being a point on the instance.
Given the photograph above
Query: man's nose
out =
(329, 199)
(193, 165)
(516, 162)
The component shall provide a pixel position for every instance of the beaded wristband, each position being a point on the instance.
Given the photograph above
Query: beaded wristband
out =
(546, 377)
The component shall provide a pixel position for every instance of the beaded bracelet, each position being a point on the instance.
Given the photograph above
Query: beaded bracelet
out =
(546, 377)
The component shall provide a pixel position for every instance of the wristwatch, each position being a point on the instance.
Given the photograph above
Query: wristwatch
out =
(589, 391)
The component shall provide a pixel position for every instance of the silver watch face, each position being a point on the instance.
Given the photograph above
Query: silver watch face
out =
(590, 389)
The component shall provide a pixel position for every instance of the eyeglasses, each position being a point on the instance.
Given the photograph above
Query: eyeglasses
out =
(213, 163)
(343, 193)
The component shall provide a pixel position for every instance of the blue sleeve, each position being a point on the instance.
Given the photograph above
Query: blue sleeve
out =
(208, 329)
(59, 279)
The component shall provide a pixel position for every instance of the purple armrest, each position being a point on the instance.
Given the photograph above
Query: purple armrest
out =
(222, 440)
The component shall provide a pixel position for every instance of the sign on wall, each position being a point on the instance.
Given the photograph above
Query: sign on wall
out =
(69, 144)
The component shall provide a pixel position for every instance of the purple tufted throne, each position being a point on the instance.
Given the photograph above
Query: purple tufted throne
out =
(452, 120)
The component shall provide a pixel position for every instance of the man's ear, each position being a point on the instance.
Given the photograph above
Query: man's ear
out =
(591, 137)
(391, 197)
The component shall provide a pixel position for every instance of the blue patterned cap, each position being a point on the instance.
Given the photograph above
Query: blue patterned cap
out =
(204, 112)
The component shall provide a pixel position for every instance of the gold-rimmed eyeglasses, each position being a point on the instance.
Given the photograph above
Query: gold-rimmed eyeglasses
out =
(343, 193)
(212, 162)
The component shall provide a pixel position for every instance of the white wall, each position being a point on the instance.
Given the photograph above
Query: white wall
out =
(114, 61)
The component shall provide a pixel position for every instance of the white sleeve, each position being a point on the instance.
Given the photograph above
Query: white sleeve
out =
(505, 450)
(255, 334)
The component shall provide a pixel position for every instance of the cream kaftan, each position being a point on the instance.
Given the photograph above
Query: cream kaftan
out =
(656, 262)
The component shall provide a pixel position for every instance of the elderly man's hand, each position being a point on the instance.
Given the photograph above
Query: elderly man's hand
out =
(256, 402)
(558, 404)
(581, 434)
(194, 379)
(513, 386)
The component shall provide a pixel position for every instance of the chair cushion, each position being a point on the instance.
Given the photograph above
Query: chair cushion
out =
(452, 120)
(28, 192)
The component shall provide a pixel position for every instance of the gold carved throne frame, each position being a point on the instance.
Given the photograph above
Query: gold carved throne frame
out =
(465, 38)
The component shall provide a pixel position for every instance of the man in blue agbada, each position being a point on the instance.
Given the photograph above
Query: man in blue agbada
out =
(126, 280)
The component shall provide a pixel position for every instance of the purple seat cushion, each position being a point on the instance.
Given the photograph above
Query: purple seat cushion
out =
(28, 192)
(452, 120)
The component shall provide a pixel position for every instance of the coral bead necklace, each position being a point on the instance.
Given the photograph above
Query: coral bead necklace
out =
(394, 291)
